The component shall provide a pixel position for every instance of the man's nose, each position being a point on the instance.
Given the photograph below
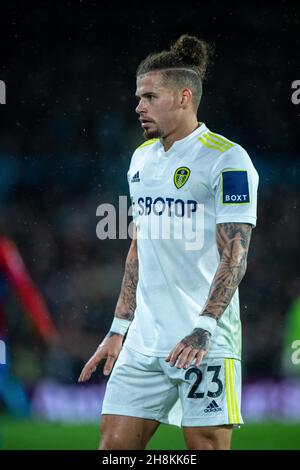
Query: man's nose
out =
(140, 107)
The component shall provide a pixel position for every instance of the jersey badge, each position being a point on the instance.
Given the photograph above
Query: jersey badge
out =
(181, 176)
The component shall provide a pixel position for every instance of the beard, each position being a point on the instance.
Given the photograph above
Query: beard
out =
(152, 134)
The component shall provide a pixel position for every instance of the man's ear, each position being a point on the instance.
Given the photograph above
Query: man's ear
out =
(186, 97)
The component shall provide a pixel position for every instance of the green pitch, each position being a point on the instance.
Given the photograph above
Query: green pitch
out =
(26, 434)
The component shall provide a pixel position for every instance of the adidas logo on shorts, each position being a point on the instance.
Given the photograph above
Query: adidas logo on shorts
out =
(213, 407)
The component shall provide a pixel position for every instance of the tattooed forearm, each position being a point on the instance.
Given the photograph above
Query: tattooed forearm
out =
(127, 300)
(199, 339)
(233, 241)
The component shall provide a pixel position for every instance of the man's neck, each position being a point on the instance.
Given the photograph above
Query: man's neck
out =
(179, 134)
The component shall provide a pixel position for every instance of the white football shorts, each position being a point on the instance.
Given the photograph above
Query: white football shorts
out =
(148, 387)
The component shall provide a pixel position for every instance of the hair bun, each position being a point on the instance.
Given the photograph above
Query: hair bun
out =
(192, 51)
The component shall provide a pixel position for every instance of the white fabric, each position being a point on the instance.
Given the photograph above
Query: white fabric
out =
(206, 323)
(120, 326)
(148, 387)
(175, 273)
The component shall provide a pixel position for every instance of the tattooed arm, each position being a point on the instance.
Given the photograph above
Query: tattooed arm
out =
(111, 346)
(233, 241)
(127, 299)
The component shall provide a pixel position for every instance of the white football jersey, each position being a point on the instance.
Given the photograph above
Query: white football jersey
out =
(178, 197)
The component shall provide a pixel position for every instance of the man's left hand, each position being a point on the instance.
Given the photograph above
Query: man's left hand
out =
(193, 346)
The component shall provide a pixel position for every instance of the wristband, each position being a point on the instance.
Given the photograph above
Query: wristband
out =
(206, 323)
(120, 326)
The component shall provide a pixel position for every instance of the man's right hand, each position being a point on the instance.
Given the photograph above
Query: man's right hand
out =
(109, 349)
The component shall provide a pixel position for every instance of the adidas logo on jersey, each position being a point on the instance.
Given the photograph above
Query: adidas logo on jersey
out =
(136, 178)
(213, 407)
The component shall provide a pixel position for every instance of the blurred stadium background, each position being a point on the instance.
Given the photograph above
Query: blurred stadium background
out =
(67, 133)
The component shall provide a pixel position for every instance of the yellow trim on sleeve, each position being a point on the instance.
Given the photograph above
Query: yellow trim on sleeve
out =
(220, 139)
(211, 146)
(212, 138)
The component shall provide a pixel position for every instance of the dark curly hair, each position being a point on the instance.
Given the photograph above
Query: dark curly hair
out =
(189, 57)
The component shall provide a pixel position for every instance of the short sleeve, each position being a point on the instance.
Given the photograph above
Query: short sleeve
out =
(234, 183)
